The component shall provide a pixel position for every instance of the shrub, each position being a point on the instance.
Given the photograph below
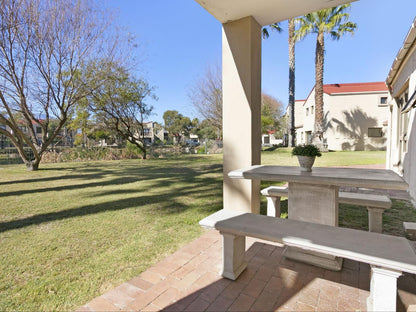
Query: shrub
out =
(306, 150)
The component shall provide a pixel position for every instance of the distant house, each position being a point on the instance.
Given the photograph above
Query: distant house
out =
(64, 138)
(270, 138)
(355, 116)
(298, 121)
(153, 132)
(401, 80)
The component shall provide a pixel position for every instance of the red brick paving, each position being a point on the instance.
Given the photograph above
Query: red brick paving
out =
(189, 280)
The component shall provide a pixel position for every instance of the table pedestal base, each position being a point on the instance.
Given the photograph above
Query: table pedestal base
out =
(314, 203)
(314, 258)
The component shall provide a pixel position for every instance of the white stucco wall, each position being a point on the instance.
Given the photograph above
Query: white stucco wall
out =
(409, 164)
(404, 163)
(347, 118)
(309, 118)
(299, 121)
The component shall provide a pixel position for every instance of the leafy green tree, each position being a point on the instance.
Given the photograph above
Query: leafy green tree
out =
(271, 113)
(206, 130)
(120, 101)
(335, 22)
(177, 124)
(81, 120)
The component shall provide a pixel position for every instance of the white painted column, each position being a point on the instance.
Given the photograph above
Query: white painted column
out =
(383, 289)
(273, 206)
(241, 111)
(233, 253)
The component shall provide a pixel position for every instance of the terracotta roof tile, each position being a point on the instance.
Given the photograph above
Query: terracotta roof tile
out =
(355, 87)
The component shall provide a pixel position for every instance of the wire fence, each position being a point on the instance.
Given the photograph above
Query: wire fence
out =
(10, 155)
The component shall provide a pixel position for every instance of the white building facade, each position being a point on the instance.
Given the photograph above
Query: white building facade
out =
(401, 152)
(355, 117)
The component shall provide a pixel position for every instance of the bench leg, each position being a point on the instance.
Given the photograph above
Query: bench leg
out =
(273, 206)
(375, 219)
(233, 253)
(383, 289)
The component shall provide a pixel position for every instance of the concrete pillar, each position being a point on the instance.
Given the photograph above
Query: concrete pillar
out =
(241, 111)
(383, 289)
(375, 219)
(273, 206)
(233, 254)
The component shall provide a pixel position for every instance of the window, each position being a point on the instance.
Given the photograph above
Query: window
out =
(307, 111)
(311, 110)
(375, 132)
(383, 101)
(308, 137)
(146, 131)
(38, 130)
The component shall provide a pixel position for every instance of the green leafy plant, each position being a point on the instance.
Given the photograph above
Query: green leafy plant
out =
(306, 150)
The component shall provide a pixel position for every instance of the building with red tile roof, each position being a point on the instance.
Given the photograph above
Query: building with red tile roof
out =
(355, 116)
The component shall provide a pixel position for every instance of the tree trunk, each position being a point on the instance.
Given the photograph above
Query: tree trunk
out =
(319, 91)
(291, 40)
(32, 165)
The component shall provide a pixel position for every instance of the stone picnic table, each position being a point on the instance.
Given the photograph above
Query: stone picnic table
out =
(314, 195)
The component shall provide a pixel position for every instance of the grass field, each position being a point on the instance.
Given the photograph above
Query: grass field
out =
(282, 156)
(71, 231)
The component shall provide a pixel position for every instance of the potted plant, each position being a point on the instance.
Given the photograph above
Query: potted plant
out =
(306, 155)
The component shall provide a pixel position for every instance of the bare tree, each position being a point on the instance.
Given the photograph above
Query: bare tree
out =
(206, 96)
(43, 44)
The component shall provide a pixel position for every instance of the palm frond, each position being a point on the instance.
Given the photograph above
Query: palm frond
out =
(305, 27)
(273, 27)
(265, 33)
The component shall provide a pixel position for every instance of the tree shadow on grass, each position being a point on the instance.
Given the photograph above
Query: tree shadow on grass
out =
(197, 187)
(123, 176)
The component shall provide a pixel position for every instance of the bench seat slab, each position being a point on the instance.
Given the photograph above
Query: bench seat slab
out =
(387, 255)
(382, 250)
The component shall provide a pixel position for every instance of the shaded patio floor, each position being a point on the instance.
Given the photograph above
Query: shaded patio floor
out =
(188, 280)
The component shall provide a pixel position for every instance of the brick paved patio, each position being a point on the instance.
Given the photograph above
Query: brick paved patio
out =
(188, 280)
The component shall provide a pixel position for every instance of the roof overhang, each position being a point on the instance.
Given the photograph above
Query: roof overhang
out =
(265, 12)
(401, 55)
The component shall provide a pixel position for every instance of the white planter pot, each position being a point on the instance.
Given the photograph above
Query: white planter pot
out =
(306, 163)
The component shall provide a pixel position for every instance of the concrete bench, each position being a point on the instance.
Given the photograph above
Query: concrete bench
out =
(410, 229)
(387, 255)
(376, 204)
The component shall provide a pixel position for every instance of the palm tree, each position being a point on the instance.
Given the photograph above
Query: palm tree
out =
(275, 27)
(333, 21)
(292, 41)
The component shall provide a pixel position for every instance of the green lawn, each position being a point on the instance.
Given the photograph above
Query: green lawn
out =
(282, 156)
(71, 231)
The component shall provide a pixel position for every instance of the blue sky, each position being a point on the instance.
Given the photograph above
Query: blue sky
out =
(180, 40)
